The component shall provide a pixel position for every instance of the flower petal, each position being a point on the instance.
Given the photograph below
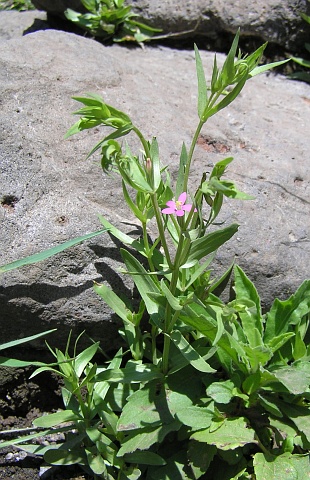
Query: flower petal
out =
(171, 204)
(182, 197)
(179, 213)
(187, 207)
(168, 211)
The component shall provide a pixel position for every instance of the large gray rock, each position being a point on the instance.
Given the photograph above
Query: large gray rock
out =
(15, 24)
(275, 21)
(50, 193)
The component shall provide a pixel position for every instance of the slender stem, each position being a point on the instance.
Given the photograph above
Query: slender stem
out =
(169, 323)
(166, 349)
(143, 141)
(161, 228)
(147, 247)
(190, 155)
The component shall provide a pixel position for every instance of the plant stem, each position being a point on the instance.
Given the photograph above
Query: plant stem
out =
(190, 155)
(143, 141)
(147, 247)
(161, 228)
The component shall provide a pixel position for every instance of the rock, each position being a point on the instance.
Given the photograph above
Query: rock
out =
(276, 21)
(50, 193)
(16, 24)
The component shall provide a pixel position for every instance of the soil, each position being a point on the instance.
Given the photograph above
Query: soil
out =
(21, 401)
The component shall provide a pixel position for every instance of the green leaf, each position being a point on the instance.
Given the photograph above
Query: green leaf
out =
(257, 356)
(144, 458)
(285, 313)
(196, 417)
(126, 239)
(134, 372)
(200, 457)
(286, 466)
(277, 342)
(295, 377)
(204, 246)
(265, 68)
(114, 302)
(181, 171)
(270, 405)
(199, 270)
(233, 433)
(251, 317)
(299, 415)
(20, 341)
(54, 419)
(154, 151)
(202, 85)
(229, 98)
(228, 70)
(300, 349)
(301, 61)
(146, 437)
(204, 319)
(96, 463)
(83, 359)
(137, 212)
(147, 408)
(173, 470)
(171, 299)
(64, 457)
(144, 282)
(38, 257)
(190, 354)
(221, 392)
(21, 439)
(227, 188)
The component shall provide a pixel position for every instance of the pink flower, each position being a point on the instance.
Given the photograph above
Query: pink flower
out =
(178, 207)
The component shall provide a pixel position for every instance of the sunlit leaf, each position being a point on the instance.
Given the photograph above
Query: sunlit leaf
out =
(38, 257)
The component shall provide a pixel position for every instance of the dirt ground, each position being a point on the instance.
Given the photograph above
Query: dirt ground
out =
(21, 401)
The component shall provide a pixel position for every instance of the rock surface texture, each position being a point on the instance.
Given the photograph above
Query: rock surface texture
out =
(276, 21)
(49, 193)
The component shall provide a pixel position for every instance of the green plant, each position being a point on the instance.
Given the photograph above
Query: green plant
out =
(303, 75)
(203, 388)
(19, 5)
(110, 19)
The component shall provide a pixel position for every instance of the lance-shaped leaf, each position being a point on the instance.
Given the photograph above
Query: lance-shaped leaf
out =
(47, 421)
(204, 246)
(180, 178)
(204, 319)
(190, 354)
(202, 85)
(59, 456)
(144, 282)
(144, 458)
(251, 315)
(285, 313)
(114, 302)
(156, 175)
(38, 257)
(132, 373)
(83, 359)
(227, 188)
(14, 343)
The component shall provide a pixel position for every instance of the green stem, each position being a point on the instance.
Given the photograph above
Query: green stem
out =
(161, 229)
(169, 323)
(211, 102)
(143, 141)
(190, 155)
(147, 249)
